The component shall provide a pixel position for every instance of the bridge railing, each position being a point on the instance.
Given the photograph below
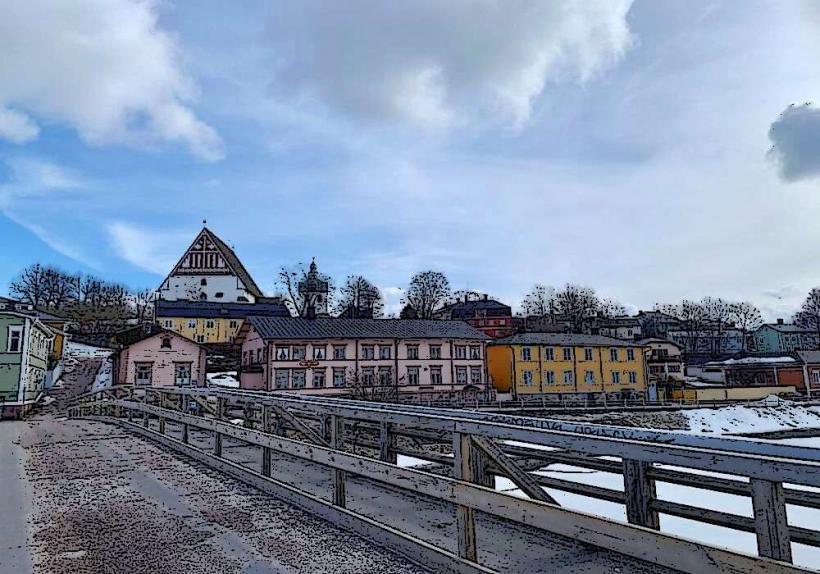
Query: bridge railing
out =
(483, 445)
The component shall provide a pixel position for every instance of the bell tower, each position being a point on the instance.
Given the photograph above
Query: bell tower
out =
(314, 290)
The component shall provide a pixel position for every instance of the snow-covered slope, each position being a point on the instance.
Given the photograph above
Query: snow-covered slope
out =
(752, 418)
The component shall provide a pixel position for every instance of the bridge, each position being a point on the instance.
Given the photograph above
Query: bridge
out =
(338, 459)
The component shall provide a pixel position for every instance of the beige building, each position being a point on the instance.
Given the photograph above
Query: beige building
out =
(160, 359)
(334, 356)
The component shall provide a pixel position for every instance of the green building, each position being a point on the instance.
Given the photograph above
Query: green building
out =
(25, 345)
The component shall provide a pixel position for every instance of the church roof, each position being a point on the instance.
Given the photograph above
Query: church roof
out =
(216, 309)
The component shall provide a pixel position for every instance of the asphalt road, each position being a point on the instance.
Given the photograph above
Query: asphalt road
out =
(84, 497)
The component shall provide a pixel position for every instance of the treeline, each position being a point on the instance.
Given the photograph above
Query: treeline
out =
(92, 305)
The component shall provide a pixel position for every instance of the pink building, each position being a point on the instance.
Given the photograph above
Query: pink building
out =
(161, 359)
(331, 356)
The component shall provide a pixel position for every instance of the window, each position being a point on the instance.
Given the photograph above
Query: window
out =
(200, 338)
(569, 377)
(281, 378)
(338, 377)
(166, 343)
(192, 323)
(209, 324)
(616, 377)
(297, 378)
(182, 374)
(168, 323)
(412, 351)
(526, 378)
(203, 282)
(587, 354)
(385, 376)
(233, 324)
(282, 353)
(630, 354)
(475, 375)
(259, 355)
(367, 352)
(549, 377)
(298, 353)
(475, 352)
(526, 354)
(435, 375)
(589, 377)
(461, 375)
(319, 352)
(15, 340)
(384, 352)
(435, 352)
(142, 373)
(412, 375)
(339, 352)
(549, 353)
(219, 294)
(613, 354)
(318, 378)
(633, 378)
(815, 376)
(368, 376)
(461, 352)
(567, 353)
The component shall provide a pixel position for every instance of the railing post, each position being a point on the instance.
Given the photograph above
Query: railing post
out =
(220, 413)
(266, 452)
(336, 441)
(185, 437)
(639, 489)
(161, 425)
(771, 524)
(465, 516)
(386, 444)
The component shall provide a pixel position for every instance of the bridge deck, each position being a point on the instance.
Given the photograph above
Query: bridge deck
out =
(102, 500)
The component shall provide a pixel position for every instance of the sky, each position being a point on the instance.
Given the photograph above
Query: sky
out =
(653, 150)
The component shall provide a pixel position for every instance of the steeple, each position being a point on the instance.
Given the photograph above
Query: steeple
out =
(314, 290)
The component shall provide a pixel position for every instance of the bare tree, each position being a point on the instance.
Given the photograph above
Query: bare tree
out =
(693, 321)
(427, 292)
(747, 318)
(143, 303)
(359, 299)
(29, 285)
(576, 303)
(718, 314)
(808, 316)
(610, 308)
(540, 302)
(370, 386)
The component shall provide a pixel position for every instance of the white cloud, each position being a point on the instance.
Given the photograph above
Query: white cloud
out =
(103, 67)
(151, 250)
(438, 63)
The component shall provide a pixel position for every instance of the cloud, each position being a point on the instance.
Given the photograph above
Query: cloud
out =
(151, 250)
(103, 67)
(436, 63)
(795, 137)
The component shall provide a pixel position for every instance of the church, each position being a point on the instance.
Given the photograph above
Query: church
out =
(209, 292)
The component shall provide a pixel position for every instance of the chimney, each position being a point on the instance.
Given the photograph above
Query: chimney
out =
(779, 321)
(466, 297)
(486, 296)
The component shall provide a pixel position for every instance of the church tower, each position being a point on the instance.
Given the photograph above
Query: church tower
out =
(314, 291)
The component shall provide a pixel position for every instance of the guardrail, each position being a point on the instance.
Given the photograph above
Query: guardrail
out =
(329, 428)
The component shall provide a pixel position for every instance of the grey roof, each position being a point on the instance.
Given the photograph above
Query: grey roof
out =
(788, 328)
(809, 356)
(650, 340)
(236, 265)
(564, 339)
(215, 309)
(467, 309)
(340, 328)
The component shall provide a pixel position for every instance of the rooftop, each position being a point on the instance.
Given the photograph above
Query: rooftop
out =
(564, 339)
(213, 309)
(340, 328)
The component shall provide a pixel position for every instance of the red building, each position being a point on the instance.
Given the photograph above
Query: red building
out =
(491, 317)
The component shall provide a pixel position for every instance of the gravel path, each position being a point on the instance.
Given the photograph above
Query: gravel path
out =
(106, 502)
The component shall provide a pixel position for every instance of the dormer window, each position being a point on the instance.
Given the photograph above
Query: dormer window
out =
(166, 343)
(203, 297)
(219, 295)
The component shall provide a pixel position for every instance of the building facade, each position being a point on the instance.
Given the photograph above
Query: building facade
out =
(626, 328)
(489, 316)
(25, 347)
(337, 356)
(783, 337)
(566, 363)
(664, 361)
(725, 341)
(160, 359)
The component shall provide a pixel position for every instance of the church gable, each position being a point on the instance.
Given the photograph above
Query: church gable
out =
(204, 257)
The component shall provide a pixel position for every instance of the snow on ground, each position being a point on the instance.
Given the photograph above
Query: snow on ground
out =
(225, 379)
(752, 418)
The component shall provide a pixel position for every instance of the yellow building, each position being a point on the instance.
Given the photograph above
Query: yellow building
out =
(566, 363)
(211, 322)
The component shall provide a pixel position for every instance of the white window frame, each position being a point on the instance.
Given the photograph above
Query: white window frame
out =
(567, 353)
(526, 378)
(13, 330)
(526, 354)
